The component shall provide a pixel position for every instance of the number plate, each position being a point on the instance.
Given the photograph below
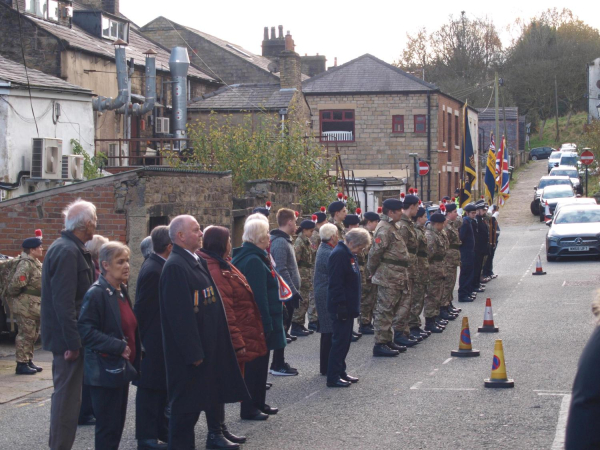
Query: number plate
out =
(579, 249)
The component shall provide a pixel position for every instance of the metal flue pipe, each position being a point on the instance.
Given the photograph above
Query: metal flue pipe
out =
(150, 100)
(101, 103)
(179, 62)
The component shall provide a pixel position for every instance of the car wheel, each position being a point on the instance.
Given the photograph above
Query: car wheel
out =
(534, 158)
(535, 207)
(550, 258)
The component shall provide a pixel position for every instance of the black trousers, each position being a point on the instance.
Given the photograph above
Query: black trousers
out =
(255, 376)
(465, 279)
(478, 267)
(340, 345)
(324, 353)
(86, 411)
(181, 427)
(488, 267)
(150, 419)
(279, 354)
(110, 407)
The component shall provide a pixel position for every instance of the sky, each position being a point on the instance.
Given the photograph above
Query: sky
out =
(345, 30)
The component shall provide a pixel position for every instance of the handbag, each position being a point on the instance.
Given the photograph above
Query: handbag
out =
(115, 371)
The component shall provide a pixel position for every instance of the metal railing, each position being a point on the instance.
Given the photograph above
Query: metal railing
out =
(337, 136)
(139, 151)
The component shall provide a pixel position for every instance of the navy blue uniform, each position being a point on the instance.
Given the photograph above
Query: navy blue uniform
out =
(467, 259)
(482, 244)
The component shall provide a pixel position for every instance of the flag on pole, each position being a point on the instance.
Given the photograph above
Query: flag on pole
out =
(467, 163)
(503, 175)
(490, 172)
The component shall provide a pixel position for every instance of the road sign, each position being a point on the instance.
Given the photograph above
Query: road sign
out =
(423, 168)
(587, 157)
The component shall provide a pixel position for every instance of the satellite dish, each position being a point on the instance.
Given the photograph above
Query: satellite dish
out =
(273, 67)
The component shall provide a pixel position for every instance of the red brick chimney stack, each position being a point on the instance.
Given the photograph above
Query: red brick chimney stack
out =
(290, 66)
(289, 43)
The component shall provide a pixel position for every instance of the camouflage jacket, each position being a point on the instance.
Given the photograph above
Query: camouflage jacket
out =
(304, 254)
(453, 254)
(437, 246)
(363, 256)
(422, 254)
(407, 230)
(388, 257)
(315, 242)
(26, 283)
(341, 230)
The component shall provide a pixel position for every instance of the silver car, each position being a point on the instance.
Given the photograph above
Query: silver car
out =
(550, 196)
(573, 201)
(553, 159)
(572, 173)
(574, 231)
(544, 182)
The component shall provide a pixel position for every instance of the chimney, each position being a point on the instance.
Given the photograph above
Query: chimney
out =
(271, 48)
(272, 32)
(280, 32)
(266, 35)
(335, 62)
(290, 66)
(289, 43)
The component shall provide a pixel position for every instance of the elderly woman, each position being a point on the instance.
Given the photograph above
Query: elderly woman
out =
(343, 302)
(329, 239)
(110, 337)
(243, 315)
(254, 263)
(93, 246)
(146, 247)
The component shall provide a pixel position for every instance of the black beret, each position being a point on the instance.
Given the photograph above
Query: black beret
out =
(446, 198)
(450, 207)
(470, 208)
(261, 210)
(335, 207)
(410, 200)
(420, 212)
(351, 219)
(307, 224)
(392, 204)
(321, 216)
(437, 218)
(32, 242)
(480, 205)
(371, 216)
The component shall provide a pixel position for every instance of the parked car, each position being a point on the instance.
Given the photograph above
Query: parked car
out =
(574, 231)
(573, 201)
(572, 173)
(568, 147)
(550, 196)
(546, 181)
(540, 153)
(553, 159)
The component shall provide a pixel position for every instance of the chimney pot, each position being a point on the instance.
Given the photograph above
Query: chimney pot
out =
(289, 43)
(335, 62)
(272, 32)
(266, 34)
(280, 31)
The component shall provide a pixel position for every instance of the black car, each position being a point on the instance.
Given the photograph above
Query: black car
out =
(540, 153)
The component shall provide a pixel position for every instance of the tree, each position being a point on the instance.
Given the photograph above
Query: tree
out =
(92, 165)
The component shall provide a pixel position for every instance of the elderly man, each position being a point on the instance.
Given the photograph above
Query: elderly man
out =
(67, 274)
(202, 369)
(146, 247)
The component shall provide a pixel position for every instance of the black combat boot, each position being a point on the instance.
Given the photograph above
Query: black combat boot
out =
(366, 328)
(24, 369)
(446, 315)
(313, 326)
(298, 330)
(431, 325)
(416, 333)
(34, 367)
(384, 350)
(401, 339)
(454, 309)
(394, 346)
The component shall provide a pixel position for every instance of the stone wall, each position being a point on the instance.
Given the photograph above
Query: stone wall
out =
(448, 144)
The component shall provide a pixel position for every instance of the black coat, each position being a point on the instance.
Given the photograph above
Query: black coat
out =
(482, 237)
(147, 312)
(101, 332)
(584, 416)
(467, 239)
(67, 274)
(192, 333)
(344, 287)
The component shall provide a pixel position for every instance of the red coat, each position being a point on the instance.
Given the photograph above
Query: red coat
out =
(243, 315)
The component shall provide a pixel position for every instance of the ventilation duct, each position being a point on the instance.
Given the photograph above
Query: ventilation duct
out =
(108, 103)
(179, 62)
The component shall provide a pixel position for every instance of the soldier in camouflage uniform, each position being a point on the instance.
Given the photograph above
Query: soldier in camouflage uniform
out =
(25, 291)
(315, 242)
(305, 259)
(420, 284)
(406, 228)
(436, 250)
(388, 262)
(453, 224)
(338, 213)
(369, 290)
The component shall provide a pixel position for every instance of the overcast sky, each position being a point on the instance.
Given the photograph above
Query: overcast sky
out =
(342, 29)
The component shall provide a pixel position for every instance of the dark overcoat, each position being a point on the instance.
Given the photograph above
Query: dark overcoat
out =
(467, 239)
(344, 287)
(147, 312)
(321, 286)
(195, 328)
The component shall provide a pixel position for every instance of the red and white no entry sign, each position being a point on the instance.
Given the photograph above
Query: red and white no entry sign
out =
(587, 157)
(423, 168)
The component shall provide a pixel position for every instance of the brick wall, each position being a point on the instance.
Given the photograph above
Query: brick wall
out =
(449, 144)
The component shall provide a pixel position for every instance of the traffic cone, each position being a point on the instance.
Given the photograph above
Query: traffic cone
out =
(488, 319)
(498, 377)
(547, 214)
(464, 346)
(538, 267)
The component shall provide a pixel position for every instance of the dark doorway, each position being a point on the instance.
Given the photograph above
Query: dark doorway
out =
(157, 221)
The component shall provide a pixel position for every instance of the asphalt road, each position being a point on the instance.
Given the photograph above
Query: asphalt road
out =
(423, 399)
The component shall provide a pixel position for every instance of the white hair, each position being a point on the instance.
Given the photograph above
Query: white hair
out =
(327, 231)
(78, 214)
(177, 225)
(254, 230)
(257, 216)
(357, 237)
(110, 251)
(146, 247)
(94, 245)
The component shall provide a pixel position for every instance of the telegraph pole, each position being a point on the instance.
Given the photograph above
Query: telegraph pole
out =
(497, 104)
(556, 101)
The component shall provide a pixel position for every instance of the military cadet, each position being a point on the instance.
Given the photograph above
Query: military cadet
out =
(338, 213)
(369, 290)
(452, 257)
(388, 264)
(406, 227)
(419, 287)
(481, 245)
(25, 289)
(350, 222)
(315, 242)
(305, 259)
(467, 255)
(488, 267)
(436, 251)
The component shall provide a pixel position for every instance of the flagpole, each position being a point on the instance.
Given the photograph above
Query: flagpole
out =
(462, 164)
(497, 105)
(501, 171)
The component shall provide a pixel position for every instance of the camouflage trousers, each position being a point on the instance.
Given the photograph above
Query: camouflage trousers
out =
(389, 300)
(307, 297)
(433, 297)
(449, 284)
(368, 299)
(418, 303)
(26, 310)
(402, 317)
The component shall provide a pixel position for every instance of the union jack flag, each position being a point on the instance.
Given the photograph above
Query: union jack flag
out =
(503, 175)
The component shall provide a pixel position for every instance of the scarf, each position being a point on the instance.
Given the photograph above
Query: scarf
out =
(224, 265)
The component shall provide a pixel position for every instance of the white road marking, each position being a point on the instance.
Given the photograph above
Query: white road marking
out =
(564, 283)
(416, 385)
(448, 360)
(448, 389)
(432, 373)
(551, 393)
(561, 425)
(548, 390)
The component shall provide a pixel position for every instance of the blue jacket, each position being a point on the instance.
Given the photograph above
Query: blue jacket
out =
(467, 237)
(344, 281)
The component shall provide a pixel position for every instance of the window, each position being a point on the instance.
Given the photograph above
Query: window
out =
(420, 123)
(113, 29)
(337, 125)
(456, 130)
(397, 124)
(46, 9)
(444, 127)
(449, 123)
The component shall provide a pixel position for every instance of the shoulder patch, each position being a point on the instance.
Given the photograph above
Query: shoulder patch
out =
(378, 240)
(22, 278)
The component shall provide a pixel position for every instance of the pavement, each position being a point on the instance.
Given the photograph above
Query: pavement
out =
(423, 399)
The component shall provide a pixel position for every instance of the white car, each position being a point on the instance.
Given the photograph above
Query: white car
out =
(553, 159)
(574, 231)
(573, 201)
(567, 147)
(572, 173)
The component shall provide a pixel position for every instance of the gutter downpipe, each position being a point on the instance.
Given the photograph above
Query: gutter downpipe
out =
(101, 103)
(429, 144)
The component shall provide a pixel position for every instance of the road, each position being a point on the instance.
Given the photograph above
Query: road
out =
(423, 399)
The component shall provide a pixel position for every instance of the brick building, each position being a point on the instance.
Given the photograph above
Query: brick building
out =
(515, 136)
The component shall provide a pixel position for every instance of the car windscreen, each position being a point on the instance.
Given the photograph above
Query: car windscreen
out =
(550, 182)
(555, 155)
(578, 216)
(568, 161)
(556, 192)
(564, 173)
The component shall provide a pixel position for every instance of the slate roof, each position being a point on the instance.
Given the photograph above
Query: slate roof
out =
(15, 73)
(365, 74)
(512, 113)
(245, 97)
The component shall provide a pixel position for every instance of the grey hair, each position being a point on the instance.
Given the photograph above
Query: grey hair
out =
(177, 225)
(357, 237)
(146, 247)
(257, 216)
(78, 214)
(110, 251)
(327, 231)
(254, 229)
(160, 238)
(95, 244)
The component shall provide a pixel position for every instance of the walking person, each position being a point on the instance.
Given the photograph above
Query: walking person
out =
(202, 369)
(113, 350)
(151, 423)
(305, 260)
(67, 274)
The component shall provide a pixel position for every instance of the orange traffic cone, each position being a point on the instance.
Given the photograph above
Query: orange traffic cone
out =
(464, 345)
(498, 378)
(488, 319)
(538, 267)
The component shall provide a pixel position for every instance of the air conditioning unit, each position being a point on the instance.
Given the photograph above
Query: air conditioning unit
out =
(72, 167)
(46, 158)
(162, 125)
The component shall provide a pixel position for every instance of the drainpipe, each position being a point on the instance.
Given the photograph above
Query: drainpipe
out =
(108, 103)
(137, 109)
(179, 62)
(429, 144)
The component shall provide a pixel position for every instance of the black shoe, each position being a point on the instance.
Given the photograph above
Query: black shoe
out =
(384, 350)
(258, 415)
(298, 331)
(428, 333)
(339, 383)
(394, 346)
(480, 289)
(232, 437)
(88, 420)
(401, 339)
(414, 332)
(288, 340)
(366, 329)
(441, 321)
(431, 326)
(465, 300)
(271, 411)
(313, 326)
(218, 441)
(285, 371)
(446, 314)
(349, 378)
(33, 366)
(454, 309)
(289, 336)
(151, 444)
(24, 369)
(354, 338)
(357, 333)
(269, 386)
